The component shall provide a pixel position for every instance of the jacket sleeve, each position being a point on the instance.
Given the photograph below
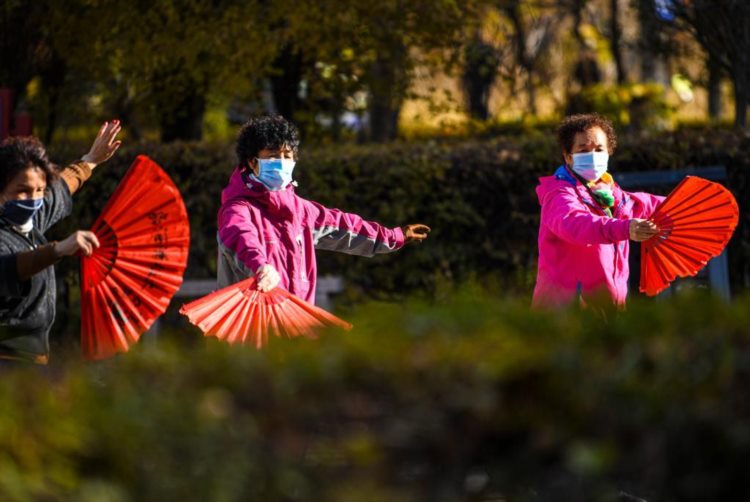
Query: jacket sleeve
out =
(58, 202)
(75, 175)
(335, 230)
(569, 219)
(30, 263)
(10, 284)
(17, 268)
(644, 203)
(239, 236)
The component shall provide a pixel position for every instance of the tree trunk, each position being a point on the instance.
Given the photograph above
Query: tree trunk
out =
(514, 12)
(480, 69)
(740, 81)
(577, 10)
(180, 102)
(285, 84)
(649, 39)
(531, 94)
(53, 98)
(181, 118)
(722, 29)
(387, 88)
(714, 88)
(53, 73)
(616, 34)
(383, 118)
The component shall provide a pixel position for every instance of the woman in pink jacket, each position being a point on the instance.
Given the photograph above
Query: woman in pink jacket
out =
(267, 230)
(587, 220)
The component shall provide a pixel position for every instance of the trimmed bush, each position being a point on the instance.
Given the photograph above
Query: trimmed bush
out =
(473, 398)
(477, 195)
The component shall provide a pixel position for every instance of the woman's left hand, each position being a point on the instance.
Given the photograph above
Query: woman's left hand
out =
(104, 145)
(415, 233)
(642, 230)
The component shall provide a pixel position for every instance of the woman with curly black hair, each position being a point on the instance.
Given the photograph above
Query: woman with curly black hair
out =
(267, 230)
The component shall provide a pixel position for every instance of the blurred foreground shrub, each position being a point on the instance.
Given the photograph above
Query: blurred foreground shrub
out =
(471, 399)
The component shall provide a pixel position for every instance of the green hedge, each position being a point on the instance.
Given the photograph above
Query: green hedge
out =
(467, 399)
(477, 195)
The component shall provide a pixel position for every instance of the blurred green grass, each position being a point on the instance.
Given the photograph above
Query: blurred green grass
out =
(473, 397)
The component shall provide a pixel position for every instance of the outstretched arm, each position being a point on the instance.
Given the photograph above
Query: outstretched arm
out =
(644, 204)
(57, 198)
(569, 219)
(16, 269)
(104, 146)
(335, 230)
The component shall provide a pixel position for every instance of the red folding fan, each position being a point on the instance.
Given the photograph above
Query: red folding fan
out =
(695, 223)
(129, 280)
(241, 314)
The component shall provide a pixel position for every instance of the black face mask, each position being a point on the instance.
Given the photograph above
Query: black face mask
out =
(19, 212)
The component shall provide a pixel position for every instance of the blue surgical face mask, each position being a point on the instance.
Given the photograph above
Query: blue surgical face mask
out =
(20, 212)
(275, 174)
(590, 165)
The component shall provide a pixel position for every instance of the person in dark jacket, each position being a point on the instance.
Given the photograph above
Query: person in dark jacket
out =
(34, 195)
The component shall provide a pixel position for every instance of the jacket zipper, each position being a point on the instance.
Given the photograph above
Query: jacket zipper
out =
(591, 204)
(623, 201)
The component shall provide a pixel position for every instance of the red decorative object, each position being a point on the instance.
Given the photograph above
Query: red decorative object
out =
(128, 282)
(695, 223)
(240, 313)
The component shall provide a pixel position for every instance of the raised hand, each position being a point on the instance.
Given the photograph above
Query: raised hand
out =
(104, 145)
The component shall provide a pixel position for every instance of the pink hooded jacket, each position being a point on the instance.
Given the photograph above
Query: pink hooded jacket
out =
(259, 227)
(582, 251)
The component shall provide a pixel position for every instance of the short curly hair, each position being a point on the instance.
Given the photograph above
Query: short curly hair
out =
(574, 124)
(265, 131)
(20, 153)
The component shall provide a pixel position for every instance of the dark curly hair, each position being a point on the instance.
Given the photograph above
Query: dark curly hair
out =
(574, 124)
(265, 131)
(18, 154)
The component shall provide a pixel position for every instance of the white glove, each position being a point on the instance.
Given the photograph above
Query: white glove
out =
(268, 278)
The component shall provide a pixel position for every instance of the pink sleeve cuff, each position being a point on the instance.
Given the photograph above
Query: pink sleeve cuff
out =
(621, 230)
(400, 239)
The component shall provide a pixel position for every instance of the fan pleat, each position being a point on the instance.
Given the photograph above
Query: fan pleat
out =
(324, 317)
(695, 224)
(130, 279)
(226, 328)
(243, 326)
(165, 280)
(241, 314)
(123, 331)
(132, 312)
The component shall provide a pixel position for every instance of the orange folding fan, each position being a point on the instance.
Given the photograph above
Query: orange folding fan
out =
(241, 314)
(129, 280)
(695, 223)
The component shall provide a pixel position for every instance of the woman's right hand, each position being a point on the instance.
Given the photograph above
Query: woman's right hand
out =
(80, 240)
(268, 278)
(642, 230)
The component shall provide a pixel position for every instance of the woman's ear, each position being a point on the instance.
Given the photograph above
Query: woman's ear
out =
(568, 158)
(251, 166)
